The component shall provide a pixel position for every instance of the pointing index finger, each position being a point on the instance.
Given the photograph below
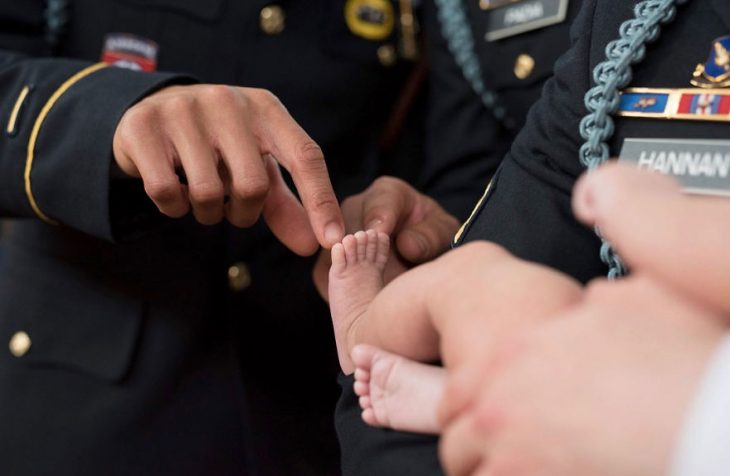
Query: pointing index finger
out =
(303, 158)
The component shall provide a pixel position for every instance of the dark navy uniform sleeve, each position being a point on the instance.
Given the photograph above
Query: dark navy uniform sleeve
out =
(59, 118)
(368, 451)
(527, 206)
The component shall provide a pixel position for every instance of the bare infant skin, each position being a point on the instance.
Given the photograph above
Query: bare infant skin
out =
(401, 323)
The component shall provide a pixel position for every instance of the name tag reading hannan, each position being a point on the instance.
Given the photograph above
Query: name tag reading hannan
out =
(522, 16)
(700, 166)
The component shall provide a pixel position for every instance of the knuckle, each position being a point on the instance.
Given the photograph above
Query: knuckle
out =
(251, 190)
(163, 191)
(310, 153)
(309, 157)
(388, 182)
(266, 99)
(490, 420)
(323, 199)
(180, 105)
(220, 94)
(206, 193)
(135, 122)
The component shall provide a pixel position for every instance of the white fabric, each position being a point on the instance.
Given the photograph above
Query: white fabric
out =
(704, 445)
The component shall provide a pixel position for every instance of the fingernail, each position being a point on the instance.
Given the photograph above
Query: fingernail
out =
(373, 225)
(584, 198)
(333, 233)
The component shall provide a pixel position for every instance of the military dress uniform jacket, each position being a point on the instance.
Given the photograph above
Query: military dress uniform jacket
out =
(527, 208)
(139, 345)
(461, 130)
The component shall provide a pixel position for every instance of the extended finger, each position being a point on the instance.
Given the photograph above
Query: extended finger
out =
(460, 449)
(285, 216)
(462, 389)
(303, 158)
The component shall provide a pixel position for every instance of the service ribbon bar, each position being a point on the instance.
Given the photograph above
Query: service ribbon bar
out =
(676, 104)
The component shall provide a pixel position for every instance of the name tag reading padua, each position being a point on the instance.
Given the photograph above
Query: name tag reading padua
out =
(700, 166)
(513, 17)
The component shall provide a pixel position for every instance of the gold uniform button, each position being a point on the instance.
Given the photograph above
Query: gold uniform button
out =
(386, 55)
(524, 66)
(239, 277)
(272, 20)
(20, 344)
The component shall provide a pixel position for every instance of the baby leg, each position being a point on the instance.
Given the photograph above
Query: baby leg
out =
(364, 312)
(356, 277)
(396, 392)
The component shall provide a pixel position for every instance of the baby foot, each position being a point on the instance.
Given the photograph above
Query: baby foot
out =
(396, 392)
(356, 277)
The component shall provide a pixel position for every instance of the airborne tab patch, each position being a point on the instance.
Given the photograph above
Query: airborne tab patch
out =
(124, 50)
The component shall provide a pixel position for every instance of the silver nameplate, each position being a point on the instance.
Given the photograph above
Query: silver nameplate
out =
(700, 166)
(523, 16)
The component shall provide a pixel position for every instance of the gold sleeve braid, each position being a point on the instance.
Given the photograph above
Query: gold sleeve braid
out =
(36, 130)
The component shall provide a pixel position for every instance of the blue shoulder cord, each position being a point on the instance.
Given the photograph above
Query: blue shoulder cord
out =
(56, 16)
(458, 34)
(601, 101)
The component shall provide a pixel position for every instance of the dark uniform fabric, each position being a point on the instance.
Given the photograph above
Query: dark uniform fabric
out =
(528, 206)
(141, 359)
(465, 143)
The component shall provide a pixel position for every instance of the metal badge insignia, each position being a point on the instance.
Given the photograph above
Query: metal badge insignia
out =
(700, 166)
(370, 19)
(514, 17)
(124, 50)
(711, 105)
(715, 73)
(489, 4)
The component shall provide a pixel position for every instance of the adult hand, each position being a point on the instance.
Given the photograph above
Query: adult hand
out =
(677, 238)
(600, 390)
(420, 228)
(228, 142)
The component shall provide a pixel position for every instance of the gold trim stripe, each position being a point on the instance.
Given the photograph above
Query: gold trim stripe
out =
(16, 109)
(37, 128)
(461, 231)
(408, 29)
(671, 112)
